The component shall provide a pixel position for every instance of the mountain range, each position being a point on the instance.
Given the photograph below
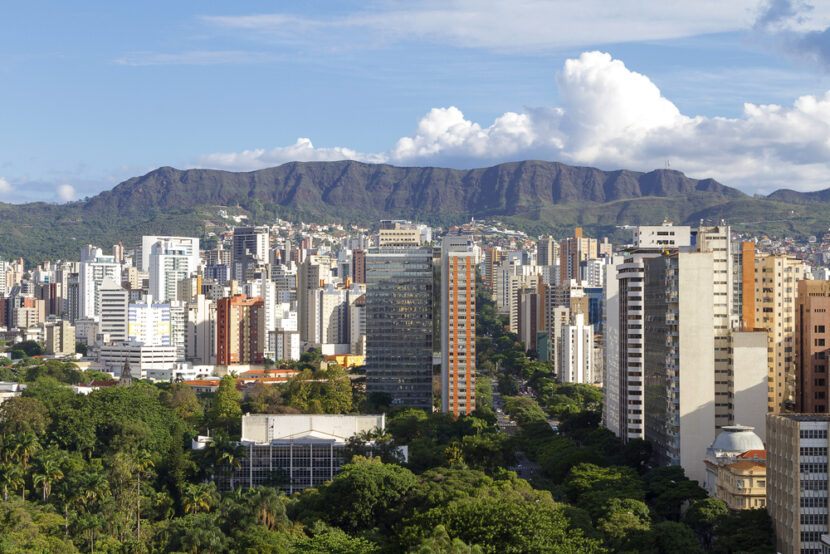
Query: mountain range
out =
(537, 196)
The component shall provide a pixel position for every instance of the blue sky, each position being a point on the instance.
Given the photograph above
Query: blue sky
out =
(95, 93)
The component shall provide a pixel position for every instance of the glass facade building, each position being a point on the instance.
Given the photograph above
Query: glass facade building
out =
(399, 326)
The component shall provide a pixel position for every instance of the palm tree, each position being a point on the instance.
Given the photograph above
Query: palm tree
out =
(47, 471)
(268, 506)
(143, 461)
(198, 497)
(26, 445)
(231, 458)
(11, 477)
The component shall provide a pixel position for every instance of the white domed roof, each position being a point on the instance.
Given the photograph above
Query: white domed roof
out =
(737, 439)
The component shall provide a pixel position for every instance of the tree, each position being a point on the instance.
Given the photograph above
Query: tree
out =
(364, 493)
(226, 409)
(27, 348)
(199, 497)
(325, 540)
(22, 414)
(622, 519)
(702, 516)
(46, 471)
(143, 462)
(744, 531)
(183, 401)
(11, 478)
(668, 488)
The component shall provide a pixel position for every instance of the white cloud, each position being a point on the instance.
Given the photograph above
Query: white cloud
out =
(613, 118)
(196, 57)
(5, 186)
(66, 193)
(515, 25)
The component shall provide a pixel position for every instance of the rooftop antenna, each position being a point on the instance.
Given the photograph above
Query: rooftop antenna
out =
(668, 165)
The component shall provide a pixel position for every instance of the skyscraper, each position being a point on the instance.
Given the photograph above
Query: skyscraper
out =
(458, 325)
(113, 302)
(399, 325)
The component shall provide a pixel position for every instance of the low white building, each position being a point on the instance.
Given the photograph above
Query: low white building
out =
(296, 451)
(142, 358)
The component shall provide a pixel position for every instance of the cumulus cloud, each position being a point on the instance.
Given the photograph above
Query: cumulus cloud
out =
(66, 193)
(5, 186)
(610, 117)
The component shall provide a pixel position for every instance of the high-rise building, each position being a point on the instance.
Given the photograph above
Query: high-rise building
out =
(250, 247)
(328, 315)
(775, 290)
(94, 268)
(547, 251)
(572, 251)
(113, 302)
(624, 370)
(529, 316)
(458, 325)
(149, 324)
(190, 245)
(399, 330)
(312, 274)
(812, 344)
(240, 338)
(797, 480)
(359, 266)
(201, 331)
(169, 264)
(678, 381)
(717, 240)
(577, 352)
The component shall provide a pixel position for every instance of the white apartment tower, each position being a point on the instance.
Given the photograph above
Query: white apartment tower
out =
(94, 268)
(577, 351)
(170, 263)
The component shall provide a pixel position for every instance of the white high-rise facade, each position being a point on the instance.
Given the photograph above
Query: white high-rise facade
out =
(577, 351)
(190, 246)
(170, 263)
(149, 324)
(94, 268)
(112, 309)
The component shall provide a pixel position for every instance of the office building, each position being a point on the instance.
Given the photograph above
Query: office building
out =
(399, 327)
(113, 302)
(312, 274)
(458, 325)
(149, 324)
(797, 480)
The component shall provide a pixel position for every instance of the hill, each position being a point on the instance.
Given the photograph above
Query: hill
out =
(534, 195)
